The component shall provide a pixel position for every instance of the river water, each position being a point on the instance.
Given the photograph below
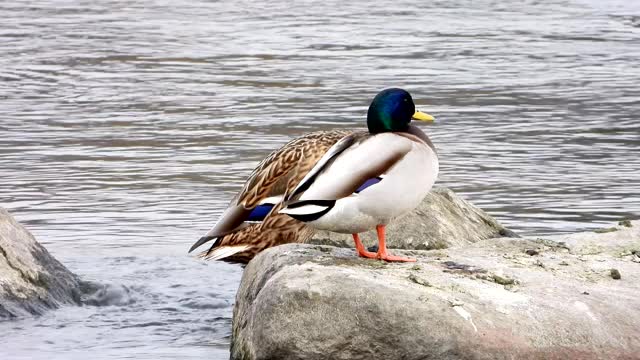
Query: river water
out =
(126, 126)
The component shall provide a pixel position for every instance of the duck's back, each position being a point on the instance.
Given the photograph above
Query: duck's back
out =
(286, 165)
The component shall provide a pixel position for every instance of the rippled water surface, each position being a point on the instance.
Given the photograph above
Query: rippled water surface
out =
(126, 126)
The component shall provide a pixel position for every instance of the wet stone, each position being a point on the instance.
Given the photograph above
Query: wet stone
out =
(31, 280)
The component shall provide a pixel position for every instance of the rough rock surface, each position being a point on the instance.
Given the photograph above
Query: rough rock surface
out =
(31, 280)
(504, 298)
(442, 220)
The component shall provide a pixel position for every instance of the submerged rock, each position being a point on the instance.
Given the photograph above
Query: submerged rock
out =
(487, 300)
(442, 220)
(31, 280)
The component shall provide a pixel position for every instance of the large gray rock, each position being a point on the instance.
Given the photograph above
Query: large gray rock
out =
(442, 220)
(499, 298)
(31, 280)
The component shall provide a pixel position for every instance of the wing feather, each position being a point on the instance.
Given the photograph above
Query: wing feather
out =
(325, 160)
(340, 176)
(273, 177)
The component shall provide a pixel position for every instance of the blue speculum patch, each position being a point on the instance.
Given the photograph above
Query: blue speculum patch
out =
(260, 212)
(368, 183)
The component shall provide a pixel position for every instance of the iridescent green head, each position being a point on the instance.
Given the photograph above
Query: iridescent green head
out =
(392, 110)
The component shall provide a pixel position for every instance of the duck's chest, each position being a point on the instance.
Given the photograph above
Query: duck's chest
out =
(404, 186)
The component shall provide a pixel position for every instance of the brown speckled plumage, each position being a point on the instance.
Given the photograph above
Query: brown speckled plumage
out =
(276, 175)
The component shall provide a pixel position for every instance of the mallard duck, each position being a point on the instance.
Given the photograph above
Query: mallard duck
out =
(346, 182)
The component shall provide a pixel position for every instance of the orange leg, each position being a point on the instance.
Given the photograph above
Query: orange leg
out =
(382, 248)
(360, 248)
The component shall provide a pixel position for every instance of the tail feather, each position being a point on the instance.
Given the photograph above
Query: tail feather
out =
(221, 252)
(203, 240)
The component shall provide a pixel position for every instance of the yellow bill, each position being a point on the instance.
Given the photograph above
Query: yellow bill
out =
(419, 115)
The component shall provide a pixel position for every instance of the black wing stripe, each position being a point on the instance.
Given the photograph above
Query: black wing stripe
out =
(328, 204)
(338, 148)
